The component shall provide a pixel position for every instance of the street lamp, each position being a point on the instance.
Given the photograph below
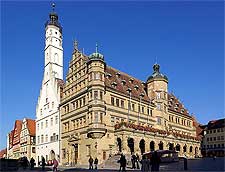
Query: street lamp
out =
(129, 90)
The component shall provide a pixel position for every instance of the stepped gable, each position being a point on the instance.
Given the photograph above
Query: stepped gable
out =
(214, 124)
(60, 82)
(16, 132)
(114, 76)
(175, 105)
(31, 125)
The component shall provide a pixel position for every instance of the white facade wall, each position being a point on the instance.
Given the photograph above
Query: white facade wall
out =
(47, 111)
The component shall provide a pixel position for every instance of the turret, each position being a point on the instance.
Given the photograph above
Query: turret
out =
(96, 89)
(157, 85)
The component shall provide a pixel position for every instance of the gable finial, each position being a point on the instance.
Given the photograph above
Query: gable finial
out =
(96, 48)
(75, 45)
(53, 6)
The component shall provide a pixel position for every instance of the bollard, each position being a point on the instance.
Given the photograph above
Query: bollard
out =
(185, 164)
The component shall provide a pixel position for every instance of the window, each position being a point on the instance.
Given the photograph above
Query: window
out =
(46, 123)
(112, 119)
(122, 103)
(133, 107)
(214, 138)
(97, 76)
(46, 138)
(56, 119)
(101, 95)
(95, 94)
(117, 102)
(158, 106)
(38, 139)
(214, 131)
(38, 126)
(51, 121)
(157, 95)
(84, 101)
(42, 138)
(142, 110)
(52, 104)
(33, 149)
(63, 153)
(112, 101)
(41, 125)
(41, 111)
(158, 120)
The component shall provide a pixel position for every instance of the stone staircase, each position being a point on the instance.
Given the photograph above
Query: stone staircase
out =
(112, 162)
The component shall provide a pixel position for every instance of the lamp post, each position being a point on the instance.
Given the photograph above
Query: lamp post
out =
(139, 109)
(129, 105)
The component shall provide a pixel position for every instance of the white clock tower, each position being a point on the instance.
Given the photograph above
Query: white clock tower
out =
(47, 109)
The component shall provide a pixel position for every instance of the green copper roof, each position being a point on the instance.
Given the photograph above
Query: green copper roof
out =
(156, 74)
(96, 56)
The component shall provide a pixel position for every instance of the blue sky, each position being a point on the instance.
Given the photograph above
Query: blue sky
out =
(186, 37)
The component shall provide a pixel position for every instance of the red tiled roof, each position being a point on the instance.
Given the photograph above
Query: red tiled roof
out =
(175, 105)
(17, 127)
(214, 124)
(3, 153)
(31, 125)
(118, 77)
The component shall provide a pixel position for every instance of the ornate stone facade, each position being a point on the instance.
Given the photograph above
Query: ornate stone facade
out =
(105, 111)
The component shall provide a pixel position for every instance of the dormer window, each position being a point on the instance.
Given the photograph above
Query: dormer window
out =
(114, 84)
(136, 87)
(182, 110)
(118, 74)
(131, 80)
(108, 75)
(129, 90)
(123, 82)
(143, 83)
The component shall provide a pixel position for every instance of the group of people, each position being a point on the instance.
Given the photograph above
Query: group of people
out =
(151, 164)
(147, 165)
(135, 161)
(24, 163)
(91, 161)
(54, 162)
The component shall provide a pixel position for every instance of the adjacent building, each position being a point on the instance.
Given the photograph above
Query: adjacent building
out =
(28, 138)
(47, 109)
(213, 140)
(105, 111)
(13, 141)
(3, 153)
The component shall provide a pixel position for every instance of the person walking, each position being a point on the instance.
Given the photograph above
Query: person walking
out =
(55, 165)
(145, 164)
(123, 162)
(96, 163)
(90, 163)
(43, 163)
(32, 163)
(133, 160)
(137, 161)
(155, 161)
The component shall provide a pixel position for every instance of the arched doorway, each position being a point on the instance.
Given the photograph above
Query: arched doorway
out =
(52, 154)
(142, 146)
(152, 146)
(185, 148)
(171, 147)
(191, 149)
(119, 143)
(177, 147)
(130, 143)
(161, 145)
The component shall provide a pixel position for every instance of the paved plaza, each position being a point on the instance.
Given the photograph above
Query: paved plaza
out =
(194, 165)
